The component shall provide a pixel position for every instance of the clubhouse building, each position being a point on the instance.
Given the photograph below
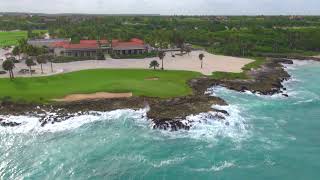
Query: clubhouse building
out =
(90, 48)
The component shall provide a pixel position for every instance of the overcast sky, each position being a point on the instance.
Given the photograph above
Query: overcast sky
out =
(165, 7)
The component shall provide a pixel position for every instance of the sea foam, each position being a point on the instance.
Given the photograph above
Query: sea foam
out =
(208, 127)
(33, 124)
(217, 167)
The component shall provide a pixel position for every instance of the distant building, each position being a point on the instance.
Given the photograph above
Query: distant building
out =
(134, 46)
(89, 48)
(46, 42)
(296, 18)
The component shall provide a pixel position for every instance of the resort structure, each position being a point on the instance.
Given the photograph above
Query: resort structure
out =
(45, 42)
(90, 48)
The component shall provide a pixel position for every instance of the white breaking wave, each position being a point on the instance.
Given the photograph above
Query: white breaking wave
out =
(297, 63)
(33, 125)
(168, 162)
(307, 101)
(208, 127)
(205, 126)
(218, 167)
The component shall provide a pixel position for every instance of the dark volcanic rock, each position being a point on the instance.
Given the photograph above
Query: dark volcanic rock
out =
(285, 95)
(266, 80)
(173, 109)
(283, 60)
(169, 124)
(8, 124)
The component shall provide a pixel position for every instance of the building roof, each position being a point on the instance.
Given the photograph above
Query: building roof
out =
(103, 41)
(81, 45)
(93, 44)
(127, 45)
(132, 44)
(47, 40)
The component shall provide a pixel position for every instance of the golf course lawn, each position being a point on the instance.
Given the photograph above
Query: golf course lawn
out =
(11, 38)
(44, 89)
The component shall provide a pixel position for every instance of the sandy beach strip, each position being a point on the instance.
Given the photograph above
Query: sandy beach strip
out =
(211, 63)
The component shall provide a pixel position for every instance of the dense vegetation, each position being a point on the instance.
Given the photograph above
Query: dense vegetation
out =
(135, 56)
(44, 89)
(237, 36)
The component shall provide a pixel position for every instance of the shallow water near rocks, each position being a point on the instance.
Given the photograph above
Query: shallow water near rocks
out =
(267, 138)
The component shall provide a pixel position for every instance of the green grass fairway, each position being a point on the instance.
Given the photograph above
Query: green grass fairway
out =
(10, 38)
(43, 89)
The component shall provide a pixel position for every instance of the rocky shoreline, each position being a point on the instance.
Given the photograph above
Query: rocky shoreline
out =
(167, 114)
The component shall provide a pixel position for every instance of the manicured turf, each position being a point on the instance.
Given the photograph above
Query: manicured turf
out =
(228, 75)
(43, 89)
(11, 38)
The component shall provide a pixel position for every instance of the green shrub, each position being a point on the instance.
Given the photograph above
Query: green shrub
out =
(228, 75)
(65, 59)
(135, 56)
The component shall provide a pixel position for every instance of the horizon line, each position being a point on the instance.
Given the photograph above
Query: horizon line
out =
(141, 14)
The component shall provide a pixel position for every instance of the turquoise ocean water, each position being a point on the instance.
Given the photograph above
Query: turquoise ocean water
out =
(268, 138)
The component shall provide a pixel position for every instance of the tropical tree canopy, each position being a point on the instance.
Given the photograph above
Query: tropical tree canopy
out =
(42, 59)
(161, 54)
(8, 65)
(201, 56)
(30, 62)
(16, 51)
(154, 64)
(50, 58)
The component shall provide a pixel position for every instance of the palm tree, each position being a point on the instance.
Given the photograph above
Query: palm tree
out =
(23, 44)
(51, 60)
(161, 56)
(181, 50)
(110, 41)
(8, 65)
(44, 49)
(41, 60)
(16, 51)
(30, 63)
(201, 56)
(188, 50)
(154, 64)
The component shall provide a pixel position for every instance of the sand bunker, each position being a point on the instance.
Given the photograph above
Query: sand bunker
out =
(98, 95)
(152, 79)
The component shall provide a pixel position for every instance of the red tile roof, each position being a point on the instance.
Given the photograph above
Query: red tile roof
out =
(93, 41)
(136, 40)
(133, 43)
(83, 45)
(91, 44)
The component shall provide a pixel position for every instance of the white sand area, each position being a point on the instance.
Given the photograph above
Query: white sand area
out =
(211, 63)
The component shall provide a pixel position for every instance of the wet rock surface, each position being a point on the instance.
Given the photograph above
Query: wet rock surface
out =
(8, 124)
(267, 80)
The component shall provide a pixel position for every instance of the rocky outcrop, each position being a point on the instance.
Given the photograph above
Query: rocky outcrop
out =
(180, 108)
(8, 124)
(164, 113)
(266, 80)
